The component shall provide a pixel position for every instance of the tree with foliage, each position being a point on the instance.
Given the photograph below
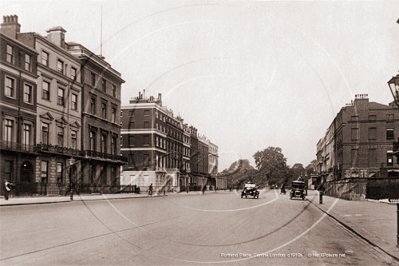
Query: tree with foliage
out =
(272, 166)
(311, 168)
(238, 174)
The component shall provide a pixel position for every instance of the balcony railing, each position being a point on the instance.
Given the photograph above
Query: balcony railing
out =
(13, 146)
(106, 156)
(160, 169)
(48, 148)
(55, 149)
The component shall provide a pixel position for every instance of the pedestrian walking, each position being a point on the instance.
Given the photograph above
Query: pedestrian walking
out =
(187, 189)
(203, 189)
(7, 189)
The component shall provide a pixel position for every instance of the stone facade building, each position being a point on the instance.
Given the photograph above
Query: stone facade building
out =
(18, 105)
(359, 141)
(161, 149)
(52, 86)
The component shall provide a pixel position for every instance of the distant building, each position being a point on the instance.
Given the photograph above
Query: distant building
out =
(161, 149)
(145, 142)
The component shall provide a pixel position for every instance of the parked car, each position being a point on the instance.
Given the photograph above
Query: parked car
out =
(250, 189)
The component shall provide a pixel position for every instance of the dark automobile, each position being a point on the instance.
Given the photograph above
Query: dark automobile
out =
(250, 190)
(297, 190)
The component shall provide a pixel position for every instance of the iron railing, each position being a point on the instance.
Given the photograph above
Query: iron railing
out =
(55, 149)
(106, 189)
(38, 188)
(13, 146)
(383, 188)
(63, 189)
(107, 156)
(360, 188)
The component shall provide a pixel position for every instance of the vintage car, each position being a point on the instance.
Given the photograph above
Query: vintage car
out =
(250, 190)
(297, 190)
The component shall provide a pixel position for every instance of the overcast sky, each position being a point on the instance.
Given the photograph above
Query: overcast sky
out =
(248, 75)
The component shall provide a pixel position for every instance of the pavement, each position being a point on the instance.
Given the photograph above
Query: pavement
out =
(376, 222)
(57, 199)
(26, 200)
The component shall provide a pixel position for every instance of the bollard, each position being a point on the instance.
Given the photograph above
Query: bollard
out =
(321, 197)
(397, 221)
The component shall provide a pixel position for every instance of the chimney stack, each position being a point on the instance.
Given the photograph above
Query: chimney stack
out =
(10, 26)
(56, 35)
(159, 96)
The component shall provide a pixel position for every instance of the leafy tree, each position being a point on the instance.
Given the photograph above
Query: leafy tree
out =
(310, 169)
(272, 166)
(238, 173)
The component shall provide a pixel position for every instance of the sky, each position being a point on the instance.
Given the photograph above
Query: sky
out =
(247, 74)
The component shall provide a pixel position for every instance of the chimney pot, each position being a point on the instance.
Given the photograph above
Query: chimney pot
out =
(56, 35)
(10, 26)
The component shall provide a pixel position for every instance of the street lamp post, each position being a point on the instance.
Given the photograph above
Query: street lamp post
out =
(393, 84)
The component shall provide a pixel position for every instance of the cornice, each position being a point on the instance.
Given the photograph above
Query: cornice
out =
(56, 47)
(19, 43)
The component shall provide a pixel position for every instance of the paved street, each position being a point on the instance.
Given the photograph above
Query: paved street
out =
(182, 229)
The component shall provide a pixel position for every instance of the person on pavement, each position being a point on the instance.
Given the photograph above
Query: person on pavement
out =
(7, 189)
(282, 189)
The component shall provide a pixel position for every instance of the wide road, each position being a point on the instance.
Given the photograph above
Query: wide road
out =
(180, 229)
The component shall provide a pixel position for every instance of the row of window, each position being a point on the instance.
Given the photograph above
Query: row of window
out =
(10, 87)
(27, 134)
(372, 133)
(46, 94)
(146, 124)
(28, 93)
(60, 136)
(372, 158)
(10, 131)
(10, 58)
(144, 161)
(93, 78)
(103, 141)
(389, 117)
(102, 175)
(103, 110)
(60, 67)
(131, 113)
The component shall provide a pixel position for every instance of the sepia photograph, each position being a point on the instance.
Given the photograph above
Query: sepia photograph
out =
(199, 132)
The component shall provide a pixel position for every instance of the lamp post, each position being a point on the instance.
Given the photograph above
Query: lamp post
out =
(393, 84)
